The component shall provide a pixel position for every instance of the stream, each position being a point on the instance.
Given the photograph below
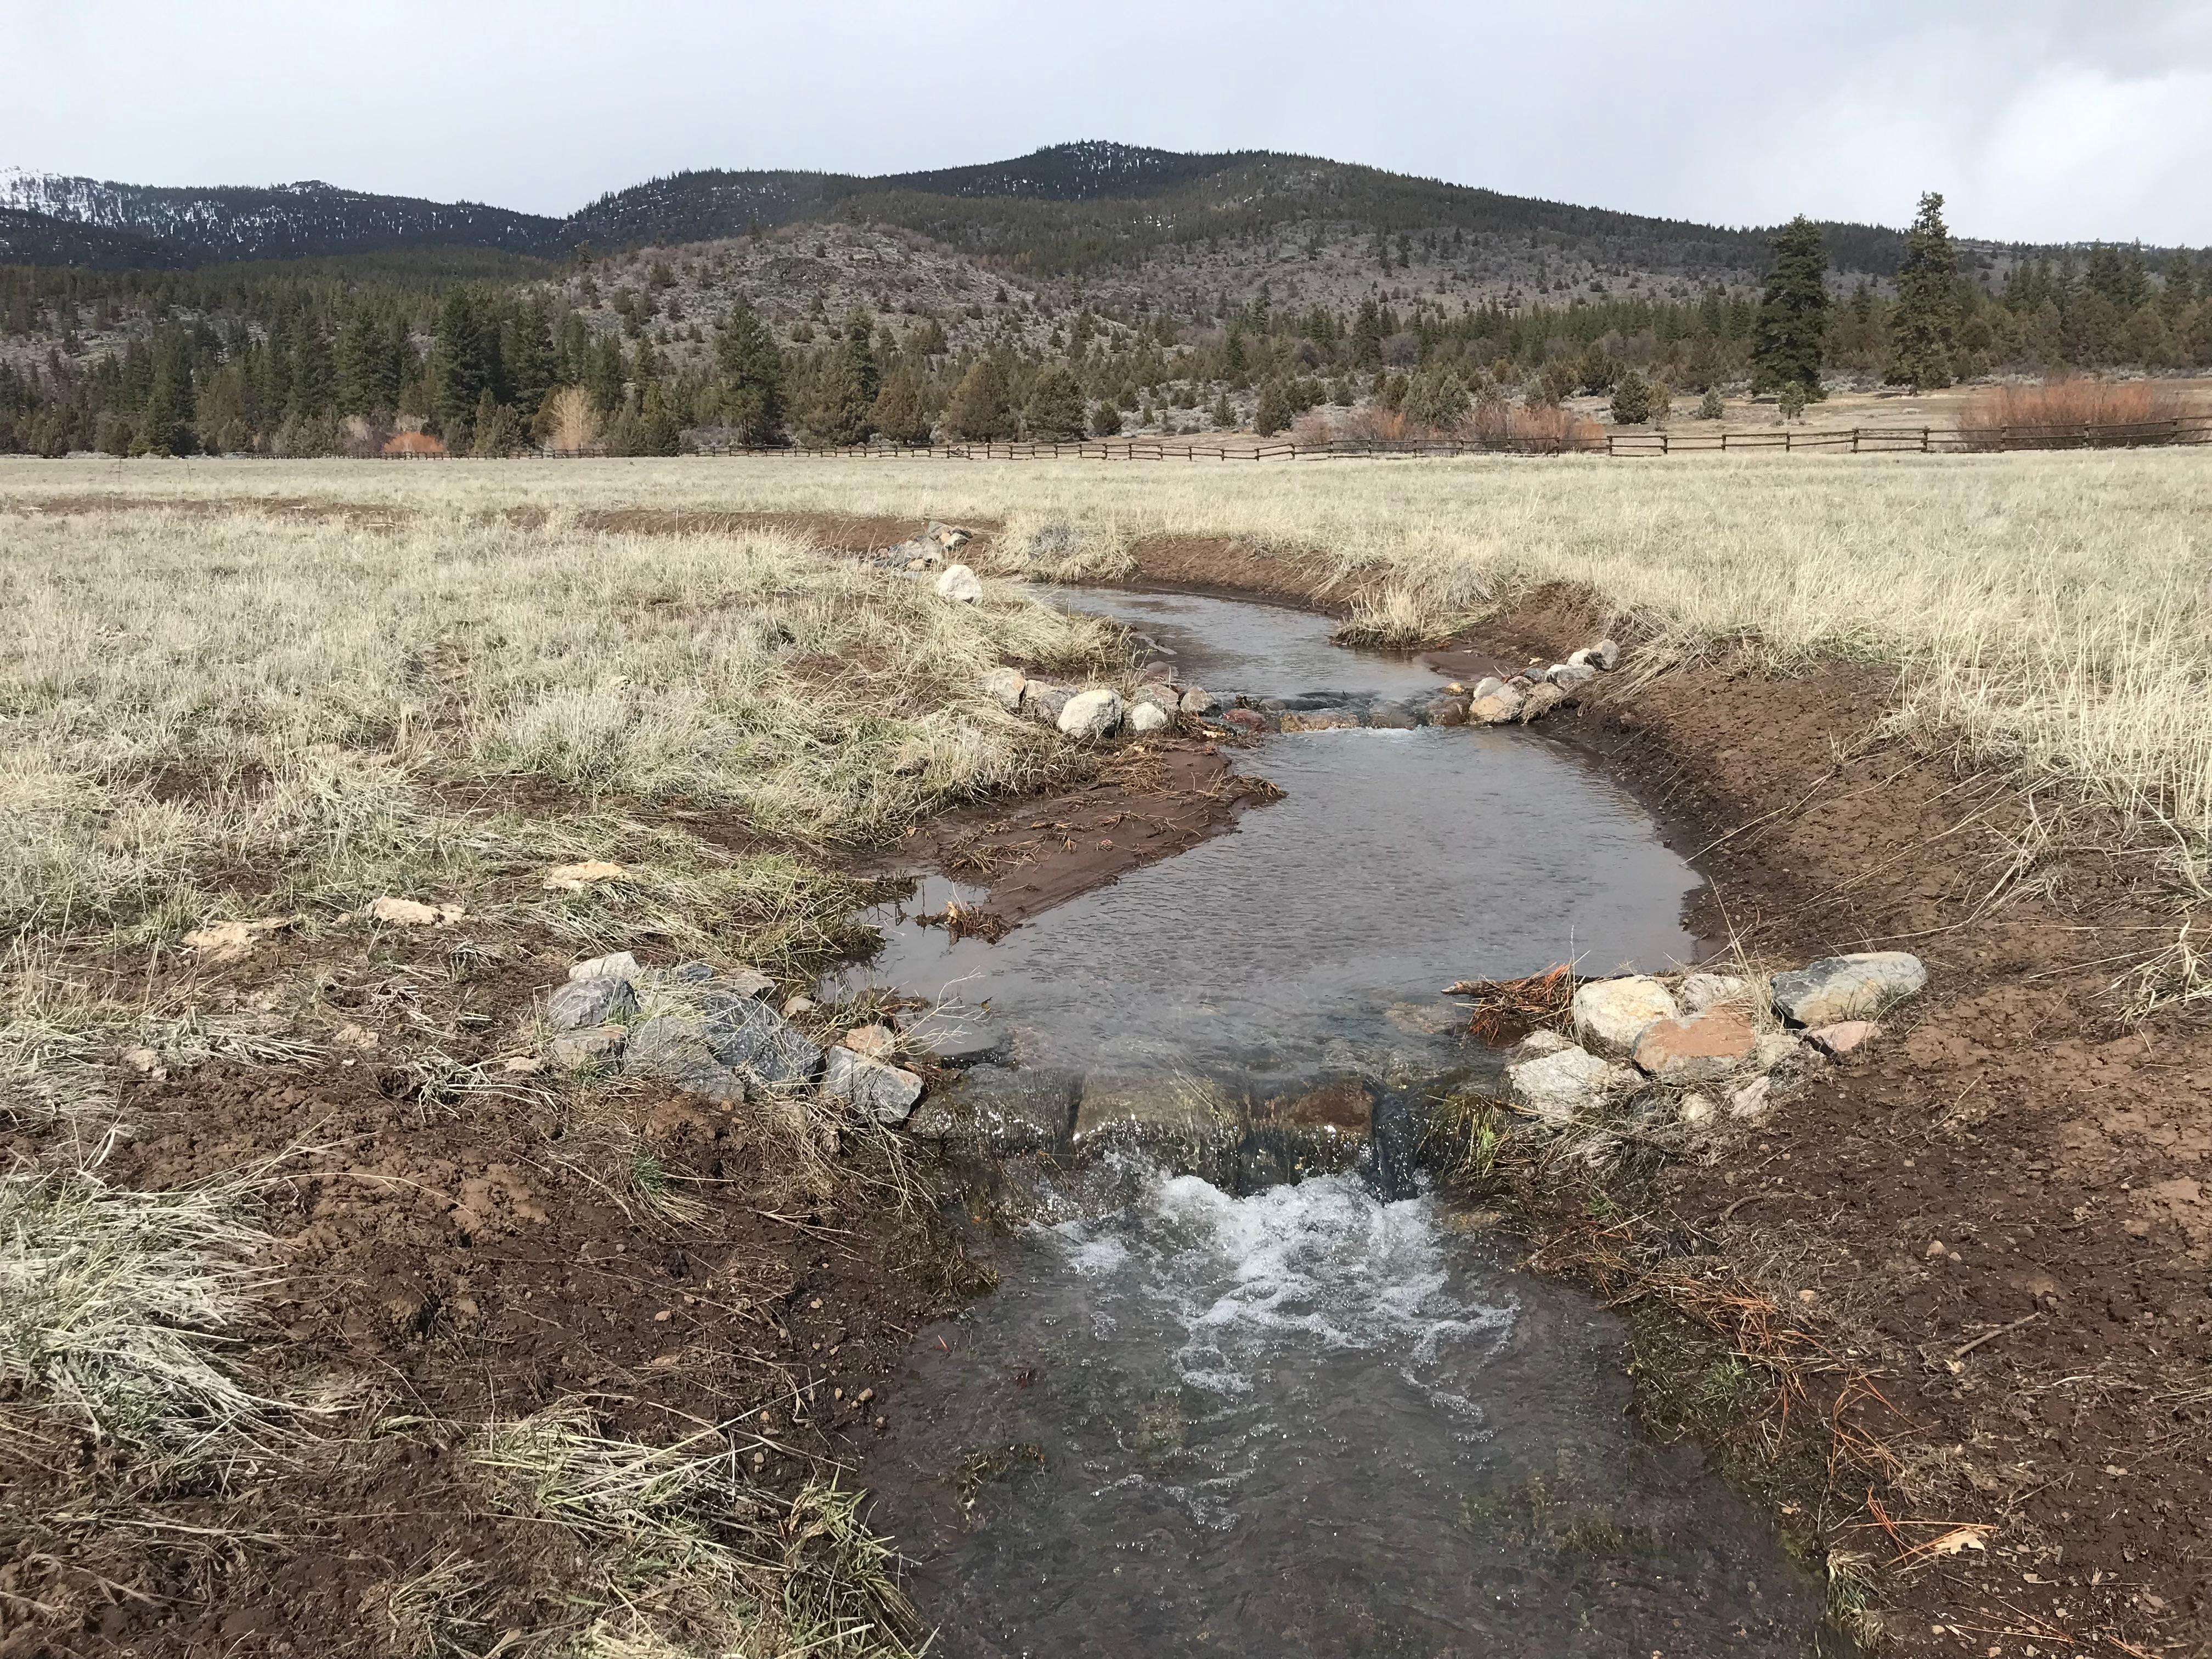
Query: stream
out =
(1324, 1417)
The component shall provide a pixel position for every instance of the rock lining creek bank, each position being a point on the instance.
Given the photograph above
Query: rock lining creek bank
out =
(1253, 1381)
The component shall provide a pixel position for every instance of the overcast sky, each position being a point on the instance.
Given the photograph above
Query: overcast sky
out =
(2038, 119)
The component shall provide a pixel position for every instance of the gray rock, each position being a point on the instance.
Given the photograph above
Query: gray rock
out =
(619, 964)
(1043, 702)
(1004, 686)
(917, 554)
(1164, 698)
(673, 1047)
(948, 536)
(743, 983)
(1520, 683)
(1146, 717)
(581, 1051)
(1856, 987)
(996, 1109)
(1569, 675)
(1541, 702)
(1488, 686)
(593, 1001)
(1558, 1088)
(1190, 1124)
(1605, 655)
(1197, 702)
(959, 584)
(1539, 1044)
(691, 973)
(1500, 707)
(748, 1036)
(969, 1041)
(1698, 992)
(1753, 1101)
(1092, 716)
(1388, 717)
(884, 1092)
(1611, 1014)
(1776, 1049)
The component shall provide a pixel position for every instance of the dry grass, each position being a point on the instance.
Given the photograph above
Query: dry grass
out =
(2044, 611)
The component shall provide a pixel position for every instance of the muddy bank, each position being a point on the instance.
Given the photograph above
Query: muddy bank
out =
(2000, 1216)
(1148, 802)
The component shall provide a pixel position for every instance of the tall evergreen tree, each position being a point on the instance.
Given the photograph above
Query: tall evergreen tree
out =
(1793, 313)
(170, 405)
(1924, 326)
(752, 376)
(981, 409)
(530, 364)
(1055, 411)
(860, 356)
(604, 373)
(462, 368)
(900, 414)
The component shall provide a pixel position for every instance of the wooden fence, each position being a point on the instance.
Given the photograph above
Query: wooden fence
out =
(1855, 441)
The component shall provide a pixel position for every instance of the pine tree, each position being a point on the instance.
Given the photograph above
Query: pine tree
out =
(1273, 413)
(860, 356)
(1793, 313)
(166, 428)
(841, 409)
(1105, 419)
(981, 409)
(1632, 400)
(530, 365)
(1055, 411)
(603, 373)
(1710, 407)
(900, 414)
(1927, 312)
(1224, 416)
(752, 376)
(461, 364)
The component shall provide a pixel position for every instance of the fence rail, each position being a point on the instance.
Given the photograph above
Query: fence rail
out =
(1856, 441)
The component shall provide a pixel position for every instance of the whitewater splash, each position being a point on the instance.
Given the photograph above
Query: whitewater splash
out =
(1308, 1420)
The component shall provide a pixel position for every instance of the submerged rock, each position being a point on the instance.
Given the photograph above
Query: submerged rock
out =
(1250, 721)
(996, 1109)
(1319, 720)
(1610, 1014)
(1389, 717)
(1847, 987)
(1090, 715)
(1188, 1124)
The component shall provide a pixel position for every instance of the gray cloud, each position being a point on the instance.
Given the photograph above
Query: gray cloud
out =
(2049, 120)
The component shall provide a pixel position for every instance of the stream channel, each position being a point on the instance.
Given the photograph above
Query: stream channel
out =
(1211, 1410)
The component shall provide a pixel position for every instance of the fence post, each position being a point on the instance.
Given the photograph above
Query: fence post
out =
(1924, 441)
(1785, 441)
(1855, 441)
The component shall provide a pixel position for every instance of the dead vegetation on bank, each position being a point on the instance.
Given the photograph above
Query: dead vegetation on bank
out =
(224, 740)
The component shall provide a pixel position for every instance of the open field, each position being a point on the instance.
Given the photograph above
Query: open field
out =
(290, 1260)
(2047, 611)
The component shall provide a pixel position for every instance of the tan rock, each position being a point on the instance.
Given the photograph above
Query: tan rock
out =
(1700, 1048)
(410, 913)
(1319, 720)
(1842, 1036)
(1610, 1014)
(575, 878)
(227, 941)
(876, 1042)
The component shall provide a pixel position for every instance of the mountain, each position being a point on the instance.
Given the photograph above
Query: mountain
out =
(170, 226)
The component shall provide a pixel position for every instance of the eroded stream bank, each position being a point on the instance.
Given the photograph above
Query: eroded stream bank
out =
(1214, 1406)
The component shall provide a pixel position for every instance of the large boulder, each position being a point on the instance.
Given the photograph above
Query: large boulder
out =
(1700, 1048)
(1838, 988)
(1557, 1088)
(1092, 716)
(1005, 687)
(1610, 1014)
(960, 585)
(1146, 717)
(875, 1088)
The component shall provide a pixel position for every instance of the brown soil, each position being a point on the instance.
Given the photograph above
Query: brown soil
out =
(2063, 1160)
(453, 1252)
(1147, 803)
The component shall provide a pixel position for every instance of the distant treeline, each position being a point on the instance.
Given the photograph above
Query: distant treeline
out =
(334, 356)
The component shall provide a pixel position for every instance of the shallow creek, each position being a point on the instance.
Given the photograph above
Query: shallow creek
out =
(1323, 1418)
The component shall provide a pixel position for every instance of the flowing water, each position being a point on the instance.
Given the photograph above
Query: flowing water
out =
(1310, 1419)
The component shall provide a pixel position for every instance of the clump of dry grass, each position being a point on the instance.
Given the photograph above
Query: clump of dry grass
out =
(685, 1559)
(114, 1306)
